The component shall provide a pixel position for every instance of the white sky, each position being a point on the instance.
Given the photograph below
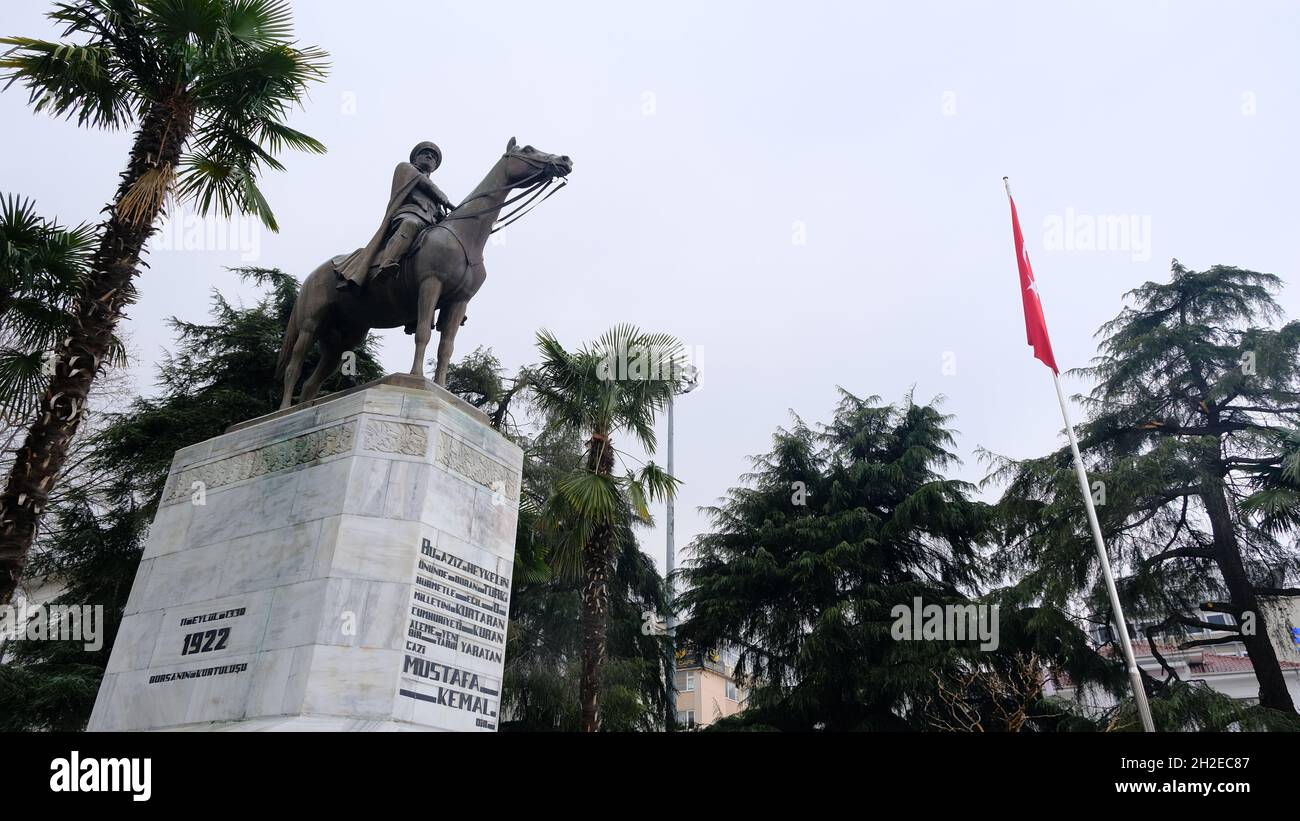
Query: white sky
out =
(704, 134)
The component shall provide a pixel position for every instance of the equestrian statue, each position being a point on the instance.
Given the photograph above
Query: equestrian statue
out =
(426, 256)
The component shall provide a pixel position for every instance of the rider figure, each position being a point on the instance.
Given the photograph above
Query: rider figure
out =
(414, 204)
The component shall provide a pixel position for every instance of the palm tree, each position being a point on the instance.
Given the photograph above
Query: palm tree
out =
(42, 270)
(616, 384)
(206, 84)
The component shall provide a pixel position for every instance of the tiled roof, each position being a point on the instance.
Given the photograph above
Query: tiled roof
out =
(1214, 663)
(1143, 648)
(1210, 662)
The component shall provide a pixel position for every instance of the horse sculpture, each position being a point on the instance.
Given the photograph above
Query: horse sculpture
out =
(442, 272)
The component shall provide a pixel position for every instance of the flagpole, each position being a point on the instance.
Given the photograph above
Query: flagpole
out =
(1134, 673)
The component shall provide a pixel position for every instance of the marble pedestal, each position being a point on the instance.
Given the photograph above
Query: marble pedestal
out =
(341, 565)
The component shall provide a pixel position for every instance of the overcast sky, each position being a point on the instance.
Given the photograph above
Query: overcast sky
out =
(807, 194)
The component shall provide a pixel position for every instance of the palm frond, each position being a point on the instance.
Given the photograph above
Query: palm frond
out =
(659, 485)
(215, 182)
(277, 136)
(259, 22)
(636, 494)
(185, 22)
(69, 79)
(229, 67)
(592, 496)
(1278, 507)
(22, 379)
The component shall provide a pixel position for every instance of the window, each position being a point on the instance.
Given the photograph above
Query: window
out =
(686, 718)
(690, 683)
(731, 691)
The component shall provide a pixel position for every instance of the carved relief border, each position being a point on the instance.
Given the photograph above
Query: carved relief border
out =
(395, 437)
(458, 457)
(277, 456)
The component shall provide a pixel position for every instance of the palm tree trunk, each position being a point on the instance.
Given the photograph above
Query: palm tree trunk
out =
(109, 290)
(1263, 656)
(596, 561)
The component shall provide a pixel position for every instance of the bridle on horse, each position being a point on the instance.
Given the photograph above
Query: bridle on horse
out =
(536, 182)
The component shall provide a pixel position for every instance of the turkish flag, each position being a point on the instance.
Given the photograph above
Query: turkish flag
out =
(1035, 324)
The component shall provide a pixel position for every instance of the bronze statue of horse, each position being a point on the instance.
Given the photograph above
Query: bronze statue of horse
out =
(442, 273)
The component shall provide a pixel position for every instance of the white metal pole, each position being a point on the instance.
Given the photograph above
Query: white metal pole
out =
(670, 562)
(1135, 676)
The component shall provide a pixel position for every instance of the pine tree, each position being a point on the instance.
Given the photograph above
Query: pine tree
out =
(1194, 412)
(806, 562)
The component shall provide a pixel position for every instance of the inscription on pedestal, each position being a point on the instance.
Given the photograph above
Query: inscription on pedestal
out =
(456, 636)
(206, 634)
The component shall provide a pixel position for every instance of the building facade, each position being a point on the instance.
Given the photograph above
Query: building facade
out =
(1224, 667)
(706, 688)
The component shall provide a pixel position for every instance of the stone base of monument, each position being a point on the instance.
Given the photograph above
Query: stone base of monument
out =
(343, 565)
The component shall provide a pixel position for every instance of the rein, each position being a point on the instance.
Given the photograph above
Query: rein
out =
(536, 183)
(518, 213)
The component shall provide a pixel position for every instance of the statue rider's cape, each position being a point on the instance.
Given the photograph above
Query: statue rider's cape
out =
(358, 265)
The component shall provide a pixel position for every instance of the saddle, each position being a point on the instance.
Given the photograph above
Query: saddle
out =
(377, 274)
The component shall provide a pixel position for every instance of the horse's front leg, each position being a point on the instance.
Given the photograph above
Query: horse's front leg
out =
(430, 288)
(448, 324)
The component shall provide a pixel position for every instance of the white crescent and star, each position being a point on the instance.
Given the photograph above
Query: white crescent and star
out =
(1033, 283)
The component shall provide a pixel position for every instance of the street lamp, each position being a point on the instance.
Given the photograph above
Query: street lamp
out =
(688, 380)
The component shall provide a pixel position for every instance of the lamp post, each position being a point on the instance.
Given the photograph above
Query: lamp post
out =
(689, 377)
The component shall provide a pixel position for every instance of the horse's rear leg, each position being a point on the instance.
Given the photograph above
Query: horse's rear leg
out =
(306, 338)
(448, 324)
(331, 351)
(430, 289)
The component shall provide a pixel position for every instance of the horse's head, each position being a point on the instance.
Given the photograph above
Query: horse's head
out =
(527, 164)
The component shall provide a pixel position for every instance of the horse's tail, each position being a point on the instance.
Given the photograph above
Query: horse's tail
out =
(290, 339)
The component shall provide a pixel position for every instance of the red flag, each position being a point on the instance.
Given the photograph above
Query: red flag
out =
(1035, 324)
